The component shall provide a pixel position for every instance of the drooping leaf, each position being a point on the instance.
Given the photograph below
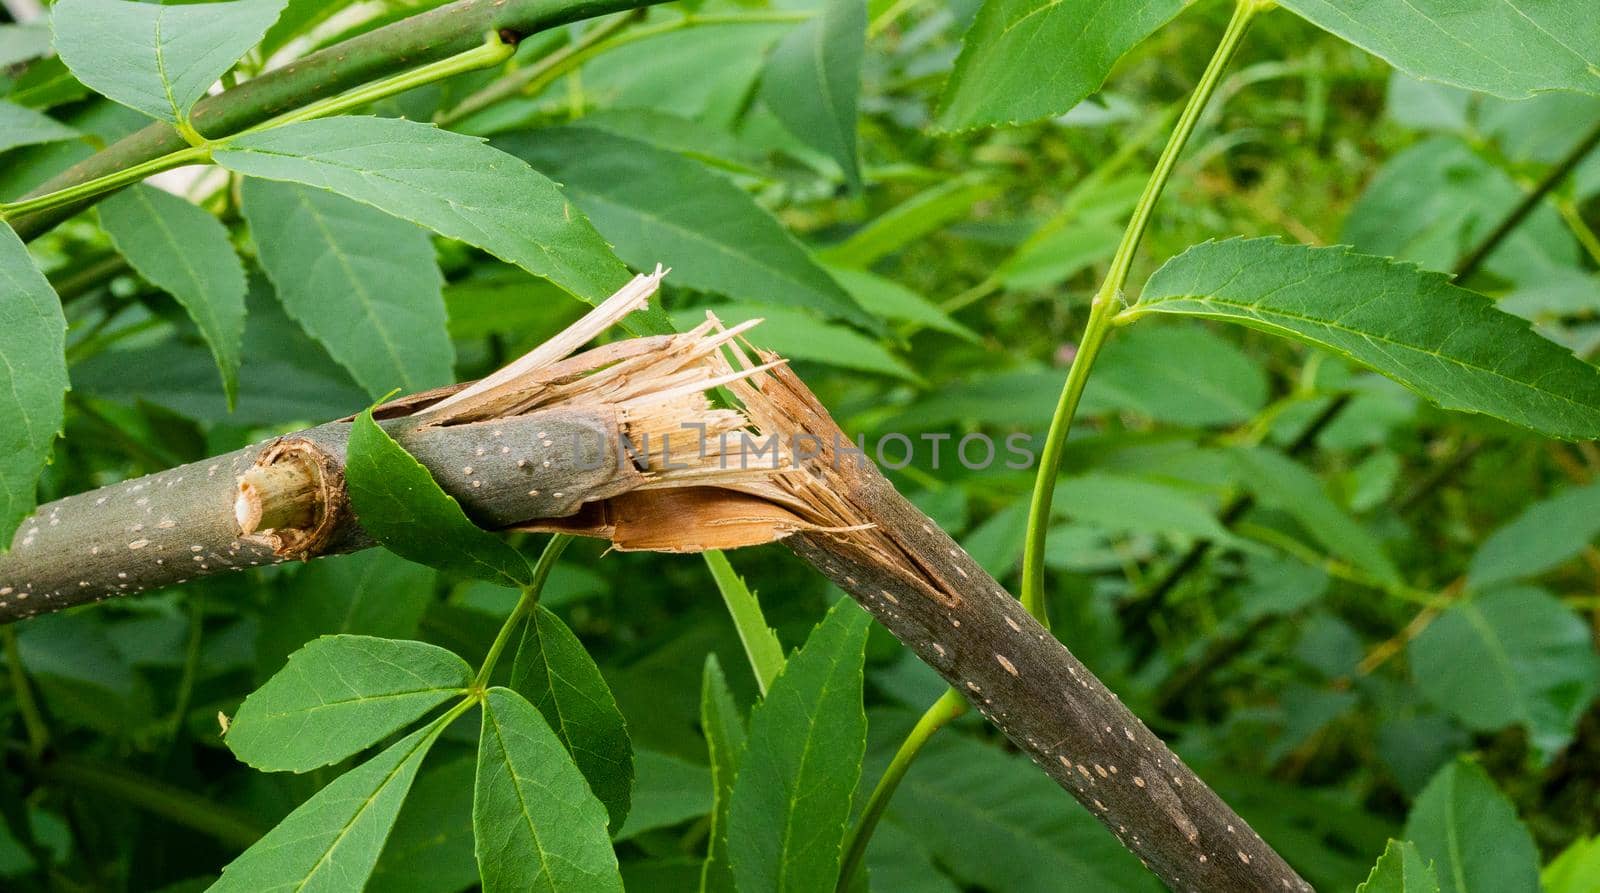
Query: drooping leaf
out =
(186, 252)
(340, 694)
(33, 380)
(21, 126)
(812, 81)
(801, 762)
(154, 58)
(1023, 60)
(1282, 483)
(450, 183)
(361, 282)
(1401, 869)
(403, 507)
(1512, 656)
(556, 674)
(1446, 343)
(798, 335)
(537, 826)
(723, 724)
(331, 842)
(1470, 832)
(659, 207)
(1511, 48)
(1545, 535)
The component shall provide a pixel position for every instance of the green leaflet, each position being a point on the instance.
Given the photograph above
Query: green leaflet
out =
(330, 843)
(536, 825)
(1511, 48)
(362, 283)
(660, 207)
(21, 126)
(1448, 344)
(1575, 870)
(368, 593)
(1401, 869)
(888, 299)
(556, 674)
(800, 336)
(802, 760)
(340, 694)
(723, 724)
(761, 644)
(186, 252)
(403, 507)
(33, 379)
(1023, 60)
(1470, 832)
(448, 182)
(812, 82)
(1216, 384)
(1121, 504)
(157, 59)
(1280, 482)
(1544, 536)
(1512, 656)
(929, 210)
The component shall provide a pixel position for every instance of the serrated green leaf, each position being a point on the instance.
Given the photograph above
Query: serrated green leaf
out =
(362, 283)
(812, 82)
(556, 674)
(1514, 656)
(186, 252)
(21, 126)
(1470, 832)
(403, 507)
(1401, 869)
(1280, 482)
(802, 759)
(368, 593)
(660, 207)
(1448, 344)
(330, 843)
(723, 724)
(1511, 48)
(1023, 60)
(338, 695)
(1546, 534)
(33, 380)
(453, 184)
(537, 826)
(154, 58)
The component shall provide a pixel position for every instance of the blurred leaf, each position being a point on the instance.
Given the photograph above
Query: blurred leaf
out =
(557, 675)
(84, 680)
(299, 17)
(1513, 656)
(1427, 105)
(812, 81)
(536, 826)
(1544, 536)
(157, 59)
(23, 42)
(667, 792)
(1576, 870)
(339, 695)
(659, 207)
(888, 299)
(1401, 869)
(370, 593)
(185, 252)
(1282, 483)
(929, 210)
(1447, 344)
(705, 73)
(792, 797)
(332, 841)
(25, 127)
(33, 380)
(1212, 384)
(797, 335)
(723, 724)
(402, 507)
(362, 283)
(761, 644)
(1470, 832)
(451, 183)
(1436, 201)
(1125, 504)
(1510, 48)
(1024, 60)
(1049, 261)
(430, 848)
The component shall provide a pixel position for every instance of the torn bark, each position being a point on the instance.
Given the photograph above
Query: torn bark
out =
(678, 474)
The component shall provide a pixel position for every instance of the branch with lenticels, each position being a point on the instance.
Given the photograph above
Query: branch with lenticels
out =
(622, 441)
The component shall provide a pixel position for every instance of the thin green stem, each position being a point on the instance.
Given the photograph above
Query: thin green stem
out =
(32, 719)
(945, 710)
(1103, 309)
(525, 606)
(108, 183)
